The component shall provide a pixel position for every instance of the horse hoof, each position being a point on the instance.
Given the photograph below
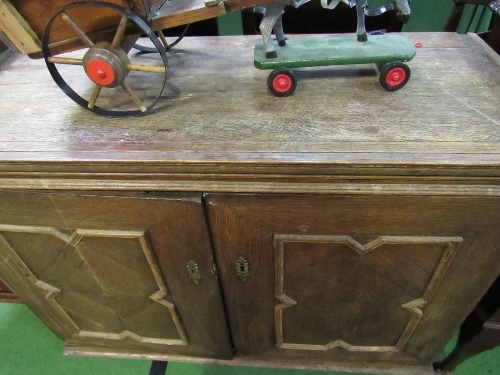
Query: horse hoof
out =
(403, 17)
(271, 55)
(282, 43)
(362, 38)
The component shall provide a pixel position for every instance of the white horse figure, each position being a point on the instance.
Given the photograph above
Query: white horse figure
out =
(273, 18)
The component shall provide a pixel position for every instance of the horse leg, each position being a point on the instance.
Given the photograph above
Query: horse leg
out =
(273, 12)
(361, 31)
(278, 30)
(403, 10)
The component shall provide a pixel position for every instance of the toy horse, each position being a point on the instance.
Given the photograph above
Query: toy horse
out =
(273, 19)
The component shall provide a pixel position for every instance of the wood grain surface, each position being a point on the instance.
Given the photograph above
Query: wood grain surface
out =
(216, 115)
(184, 12)
(95, 269)
(38, 14)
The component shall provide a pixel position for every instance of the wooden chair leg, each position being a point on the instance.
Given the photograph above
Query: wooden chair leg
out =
(454, 18)
(494, 35)
(479, 332)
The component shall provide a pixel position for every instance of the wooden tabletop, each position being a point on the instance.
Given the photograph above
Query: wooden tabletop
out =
(216, 117)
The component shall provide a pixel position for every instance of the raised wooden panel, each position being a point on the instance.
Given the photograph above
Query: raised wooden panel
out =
(106, 283)
(343, 287)
(352, 279)
(108, 272)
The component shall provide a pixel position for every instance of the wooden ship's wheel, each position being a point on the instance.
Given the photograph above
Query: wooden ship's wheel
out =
(106, 63)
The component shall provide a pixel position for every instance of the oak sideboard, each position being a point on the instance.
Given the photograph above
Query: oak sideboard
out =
(341, 228)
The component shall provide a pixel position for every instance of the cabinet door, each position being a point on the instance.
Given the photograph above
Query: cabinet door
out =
(352, 278)
(116, 274)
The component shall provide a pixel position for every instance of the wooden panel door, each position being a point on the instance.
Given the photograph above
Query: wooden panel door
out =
(352, 278)
(108, 273)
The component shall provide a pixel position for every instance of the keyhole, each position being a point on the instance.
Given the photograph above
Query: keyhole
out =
(242, 268)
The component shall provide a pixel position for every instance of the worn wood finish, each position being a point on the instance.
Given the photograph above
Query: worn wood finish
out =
(183, 12)
(229, 133)
(38, 13)
(89, 262)
(25, 23)
(17, 29)
(360, 278)
(389, 367)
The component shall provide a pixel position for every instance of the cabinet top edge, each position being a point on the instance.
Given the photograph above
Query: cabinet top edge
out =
(443, 119)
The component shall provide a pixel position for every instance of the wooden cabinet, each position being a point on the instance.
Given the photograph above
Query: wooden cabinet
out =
(341, 228)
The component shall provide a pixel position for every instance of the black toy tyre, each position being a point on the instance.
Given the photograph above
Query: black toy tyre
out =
(394, 75)
(282, 82)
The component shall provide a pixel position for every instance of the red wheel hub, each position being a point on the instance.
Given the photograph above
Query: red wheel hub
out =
(101, 72)
(282, 83)
(395, 77)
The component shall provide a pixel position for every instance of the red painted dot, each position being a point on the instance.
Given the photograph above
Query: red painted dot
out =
(419, 44)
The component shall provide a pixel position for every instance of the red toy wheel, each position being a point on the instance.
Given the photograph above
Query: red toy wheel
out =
(282, 82)
(394, 76)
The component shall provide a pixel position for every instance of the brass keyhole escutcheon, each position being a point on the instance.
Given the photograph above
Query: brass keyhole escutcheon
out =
(194, 272)
(242, 269)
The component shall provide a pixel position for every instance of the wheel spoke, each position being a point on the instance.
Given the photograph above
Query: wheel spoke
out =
(95, 94)
(102, 68)
(163, 40)
(85, 39)
(120, 32)
(65, 60)
(146, 68)
(134, 97)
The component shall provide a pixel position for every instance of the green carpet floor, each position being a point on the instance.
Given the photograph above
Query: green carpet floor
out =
(27, 347)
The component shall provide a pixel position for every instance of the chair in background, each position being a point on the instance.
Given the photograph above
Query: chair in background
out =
(481, 9)
(479, 332)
